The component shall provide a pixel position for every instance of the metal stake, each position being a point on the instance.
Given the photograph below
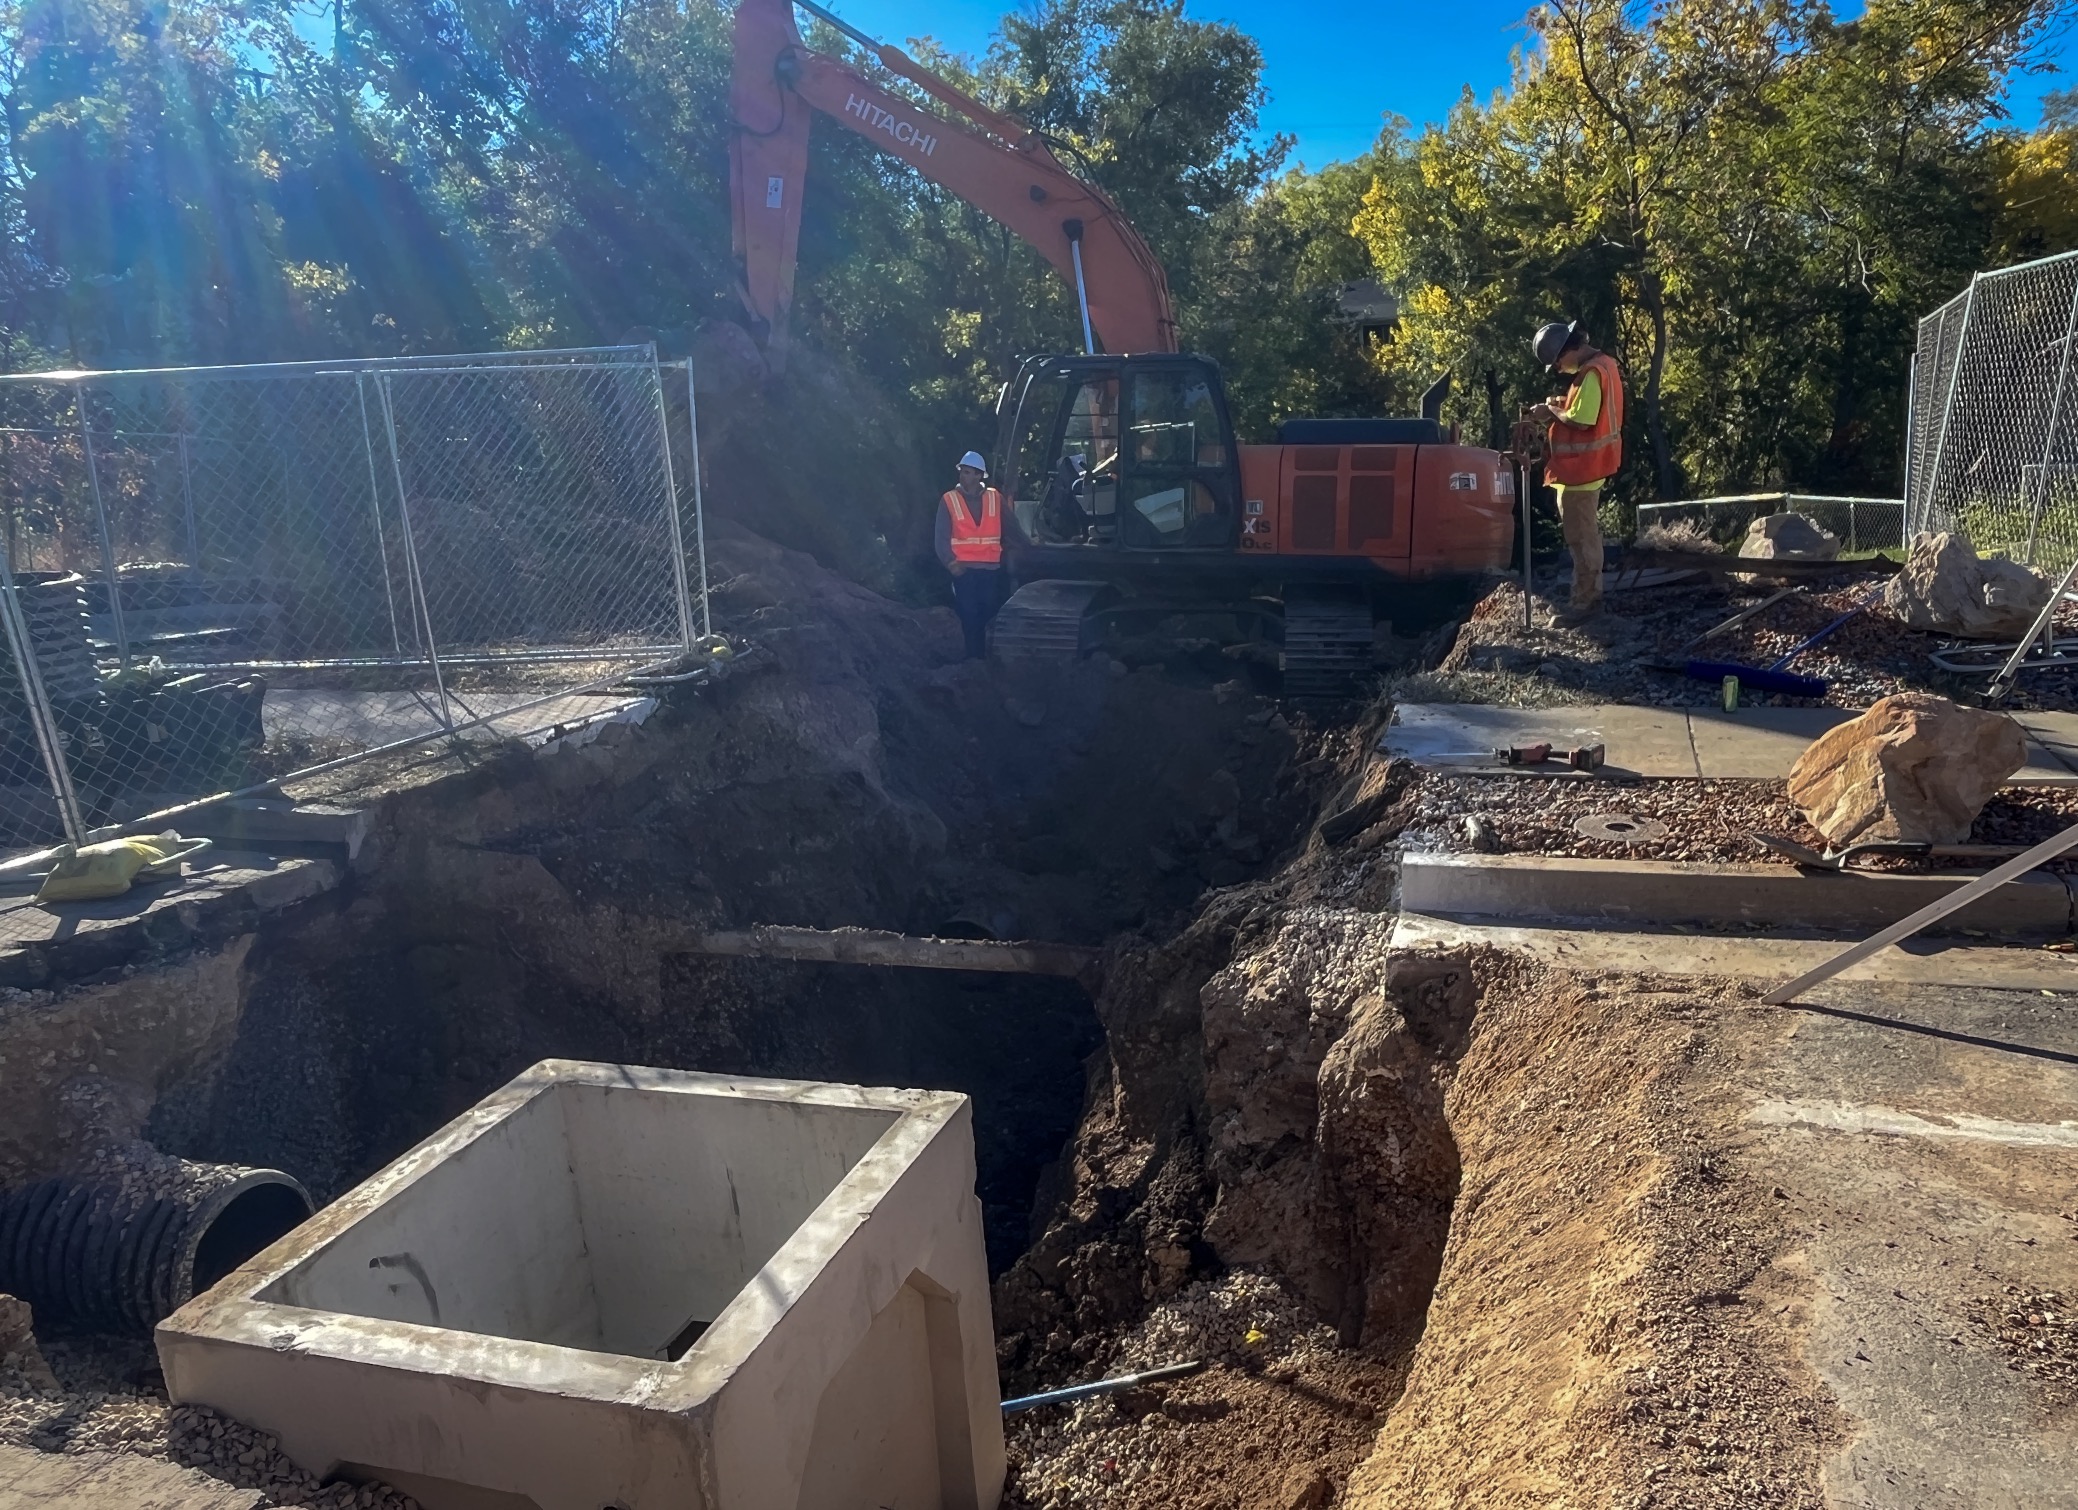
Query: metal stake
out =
(411, 567)
(678, 582)
(115, 595)
(42, 717)
(692, 409)
(1926, 917)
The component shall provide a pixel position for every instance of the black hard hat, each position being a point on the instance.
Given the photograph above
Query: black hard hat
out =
(1552, 340)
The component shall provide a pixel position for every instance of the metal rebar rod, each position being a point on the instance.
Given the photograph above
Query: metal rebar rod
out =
(416, 582)
(677, 530)
(115, 593)
(187, 505)
(1926, 917)
(692, 409)
(1105, 1386)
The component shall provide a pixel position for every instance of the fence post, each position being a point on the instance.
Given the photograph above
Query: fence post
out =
(411, 566)
(187, 500)
(1955, 373)
(42, 718)
(678, 582)
(2056, 413)
(1911, 427)
(115, 595)
(692, 409)
(382, 545)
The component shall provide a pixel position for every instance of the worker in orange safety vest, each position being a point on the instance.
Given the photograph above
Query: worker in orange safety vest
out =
(970, 546)
(1585, 450)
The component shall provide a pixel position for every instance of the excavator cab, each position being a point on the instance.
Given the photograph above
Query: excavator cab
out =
(1132, 453)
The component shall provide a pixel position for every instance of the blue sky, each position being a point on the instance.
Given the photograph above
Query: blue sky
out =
(1336, 67)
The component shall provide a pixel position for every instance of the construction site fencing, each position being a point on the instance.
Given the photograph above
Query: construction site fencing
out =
(219, 578)
(1992, 443)
(1860, 524)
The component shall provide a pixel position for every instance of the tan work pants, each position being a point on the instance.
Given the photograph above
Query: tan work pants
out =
(1580, 518)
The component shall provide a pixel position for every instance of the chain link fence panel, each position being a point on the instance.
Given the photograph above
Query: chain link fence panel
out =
(1992, 448)
(221, 577)
(1860, 524)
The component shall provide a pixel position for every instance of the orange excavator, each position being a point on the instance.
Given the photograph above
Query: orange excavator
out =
(1135, 506)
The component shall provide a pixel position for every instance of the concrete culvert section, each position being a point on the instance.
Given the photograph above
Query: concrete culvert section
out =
(681, 1290)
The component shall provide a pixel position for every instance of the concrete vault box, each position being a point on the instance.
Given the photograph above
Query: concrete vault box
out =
(607, 1286)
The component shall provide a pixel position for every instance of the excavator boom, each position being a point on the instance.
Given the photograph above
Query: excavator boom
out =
(985, 157)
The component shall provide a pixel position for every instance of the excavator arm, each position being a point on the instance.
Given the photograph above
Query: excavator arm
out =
(985, 157)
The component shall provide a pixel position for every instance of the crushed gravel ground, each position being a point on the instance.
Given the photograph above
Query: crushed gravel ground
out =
(1223, 1438)
(1704, 820)
(2037, 1331)
(1615, 657)
(104, 1394)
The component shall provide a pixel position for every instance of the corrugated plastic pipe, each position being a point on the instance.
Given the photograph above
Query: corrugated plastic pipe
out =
(124, 1256)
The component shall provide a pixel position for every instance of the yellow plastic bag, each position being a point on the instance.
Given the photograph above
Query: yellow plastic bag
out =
(107, 869)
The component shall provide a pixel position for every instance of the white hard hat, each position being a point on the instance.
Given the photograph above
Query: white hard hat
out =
(973, 459)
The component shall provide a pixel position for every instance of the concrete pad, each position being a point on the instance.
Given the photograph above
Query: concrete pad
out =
(31, 1480)
(2055, 735)
(1646, 741)
(1756, 744)
(1647, 891)
(1758, 957)
(369, 719)
(609, 1285)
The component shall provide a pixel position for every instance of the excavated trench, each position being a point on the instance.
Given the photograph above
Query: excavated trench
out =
(1261, 1141)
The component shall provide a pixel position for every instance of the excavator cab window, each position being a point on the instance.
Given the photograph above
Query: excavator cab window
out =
(1177, 481)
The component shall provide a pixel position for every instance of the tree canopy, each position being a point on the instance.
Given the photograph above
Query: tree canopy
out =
(1749, 201)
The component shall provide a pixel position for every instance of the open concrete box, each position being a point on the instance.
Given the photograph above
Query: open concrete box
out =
(607, 1286)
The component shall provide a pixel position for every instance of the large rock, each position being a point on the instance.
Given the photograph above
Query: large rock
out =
(1947, 587)
(1788, 537)
(1915, 767)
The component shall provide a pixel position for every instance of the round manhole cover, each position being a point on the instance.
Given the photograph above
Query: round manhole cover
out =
(1621, 828)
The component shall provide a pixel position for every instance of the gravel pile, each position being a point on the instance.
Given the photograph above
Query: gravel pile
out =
(1148, 1446)
(103, 1394)
(2037, 1330)
(1615, 658)
(1710, 821)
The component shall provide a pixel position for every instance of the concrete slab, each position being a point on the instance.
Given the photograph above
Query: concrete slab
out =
(1515, 887)
(610, 1285)
(216, 880)
(1761, 957)
(370, 719)
(1753, 744)
(1922, 1140)
(31, 1480)
(1756, 744)
(1648, 741)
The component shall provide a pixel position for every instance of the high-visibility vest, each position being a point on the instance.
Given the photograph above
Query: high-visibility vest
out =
(1588, 453)
(976, 540)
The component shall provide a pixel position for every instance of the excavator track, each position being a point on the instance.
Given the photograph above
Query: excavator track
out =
(1327, 642)
(1045, 622)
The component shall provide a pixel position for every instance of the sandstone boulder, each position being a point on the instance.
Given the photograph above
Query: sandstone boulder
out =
(1915, 768)
(1947, 587)
(1788, 537)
